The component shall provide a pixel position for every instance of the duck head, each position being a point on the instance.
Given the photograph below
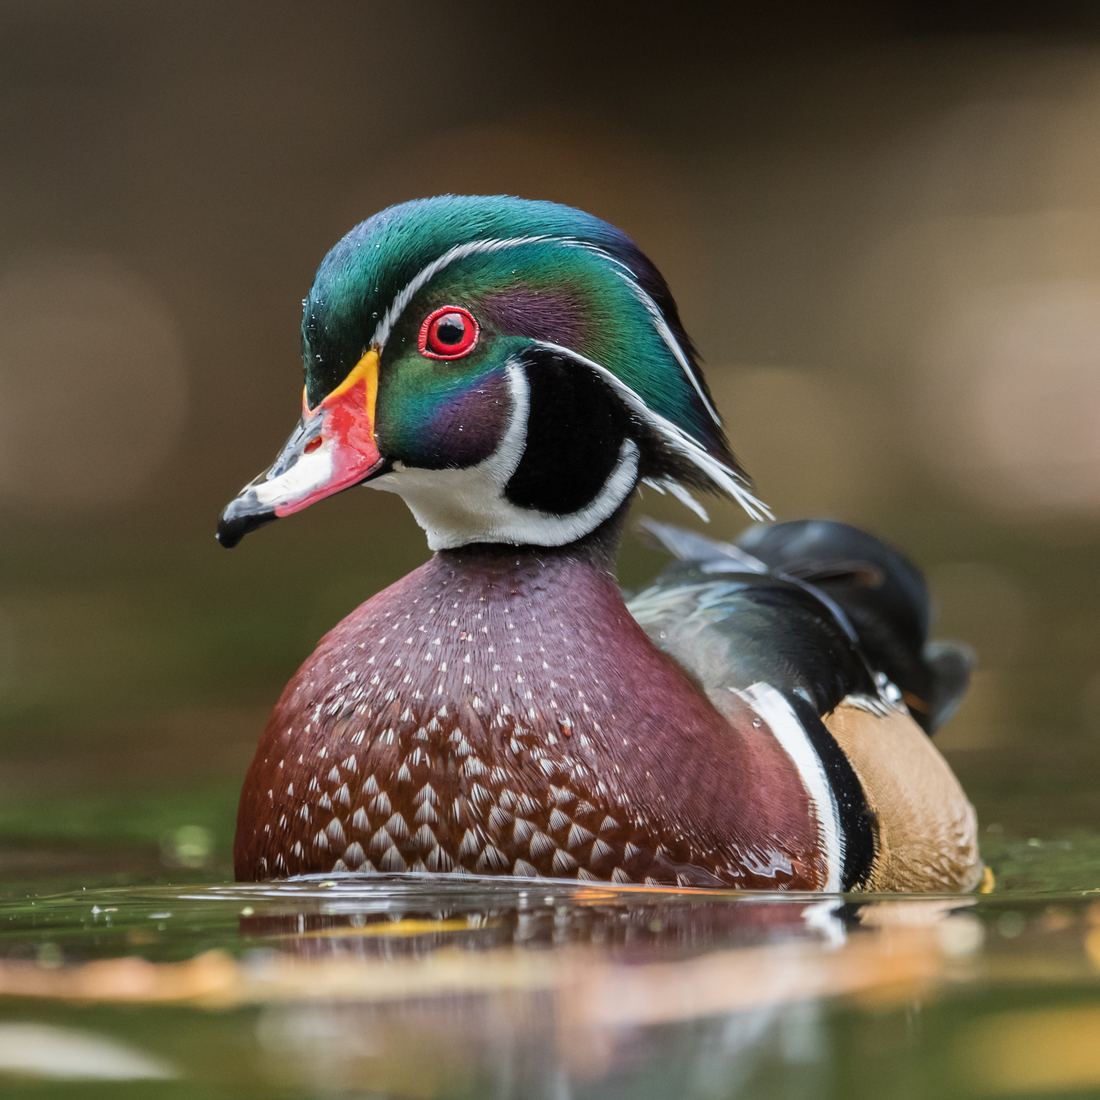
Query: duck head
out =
(513, 369)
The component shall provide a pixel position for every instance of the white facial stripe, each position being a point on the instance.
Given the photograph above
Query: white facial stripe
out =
(781, 719)
(426, 274)
(671, 485)
(458, 507)
(471, 248)
(676, 438)
(673, 345)
(657, 318)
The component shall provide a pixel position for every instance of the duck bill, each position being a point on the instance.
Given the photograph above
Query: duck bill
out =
(332, 449)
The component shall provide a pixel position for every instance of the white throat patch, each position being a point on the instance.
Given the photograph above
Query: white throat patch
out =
(458, 507)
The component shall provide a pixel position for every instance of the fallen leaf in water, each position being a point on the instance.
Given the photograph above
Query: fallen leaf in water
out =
(385, 928)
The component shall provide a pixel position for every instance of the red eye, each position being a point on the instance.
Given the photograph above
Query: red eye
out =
(448, 333)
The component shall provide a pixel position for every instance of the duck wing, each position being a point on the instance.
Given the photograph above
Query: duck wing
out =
(814, 577)
(825, 624)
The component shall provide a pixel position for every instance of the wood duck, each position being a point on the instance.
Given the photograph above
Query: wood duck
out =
(757, 718)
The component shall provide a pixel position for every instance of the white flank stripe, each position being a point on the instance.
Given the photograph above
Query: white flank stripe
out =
(788, 730)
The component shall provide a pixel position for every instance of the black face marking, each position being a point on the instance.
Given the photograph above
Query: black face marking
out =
(575, 430)
(857, 823)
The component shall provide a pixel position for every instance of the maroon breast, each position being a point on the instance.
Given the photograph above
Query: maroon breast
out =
(499, 713)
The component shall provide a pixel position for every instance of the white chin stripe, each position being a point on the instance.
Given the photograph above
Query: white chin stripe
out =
(781, 719)
(459, 507)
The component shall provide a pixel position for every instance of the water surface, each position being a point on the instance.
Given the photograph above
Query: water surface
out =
(420, 987)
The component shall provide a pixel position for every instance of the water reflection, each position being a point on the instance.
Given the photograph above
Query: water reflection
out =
(488, 987)
(416, 987)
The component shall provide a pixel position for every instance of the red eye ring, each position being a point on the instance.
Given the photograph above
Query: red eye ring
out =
(449, 332)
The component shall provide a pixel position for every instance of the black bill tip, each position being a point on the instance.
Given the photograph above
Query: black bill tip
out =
(240, 517)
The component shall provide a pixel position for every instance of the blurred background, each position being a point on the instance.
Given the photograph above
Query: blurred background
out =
(882, 225)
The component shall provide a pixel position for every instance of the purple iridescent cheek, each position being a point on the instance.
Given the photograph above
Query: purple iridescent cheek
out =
(452, 427)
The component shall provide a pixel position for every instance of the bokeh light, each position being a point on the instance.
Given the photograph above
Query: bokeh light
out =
(93, 389)
(881, 224)
(1012, 397)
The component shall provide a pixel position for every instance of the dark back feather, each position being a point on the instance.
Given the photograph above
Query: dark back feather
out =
(869, 588)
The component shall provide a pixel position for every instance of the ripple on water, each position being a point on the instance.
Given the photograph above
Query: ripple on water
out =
(527, 987)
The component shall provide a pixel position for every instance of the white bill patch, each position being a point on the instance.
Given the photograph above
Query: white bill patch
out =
(307, 473)
(781, 719)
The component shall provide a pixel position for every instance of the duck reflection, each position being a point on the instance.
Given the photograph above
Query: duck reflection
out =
(640, 921)
(560, 991)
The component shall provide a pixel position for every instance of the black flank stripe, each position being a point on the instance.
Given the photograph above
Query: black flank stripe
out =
(856, 820)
